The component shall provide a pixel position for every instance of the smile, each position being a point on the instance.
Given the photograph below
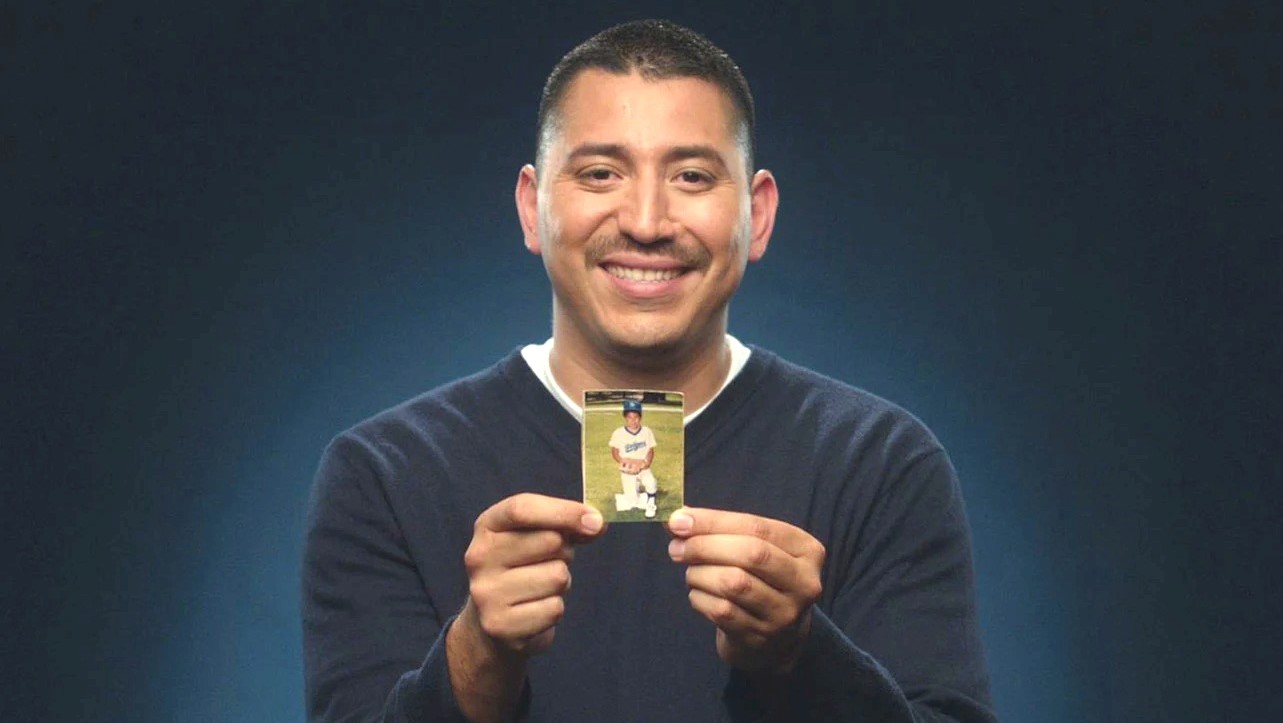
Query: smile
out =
(653, 275)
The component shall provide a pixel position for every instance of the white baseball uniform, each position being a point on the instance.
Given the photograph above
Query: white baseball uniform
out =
(635, 446)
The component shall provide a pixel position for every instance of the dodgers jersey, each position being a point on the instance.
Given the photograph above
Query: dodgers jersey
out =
(633, 446)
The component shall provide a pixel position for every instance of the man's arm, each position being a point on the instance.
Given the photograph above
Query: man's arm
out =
(896, 641)
(373, 647)
(518, 573)
(376, 647)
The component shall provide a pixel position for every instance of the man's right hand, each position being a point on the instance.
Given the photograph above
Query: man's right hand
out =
(518, 574)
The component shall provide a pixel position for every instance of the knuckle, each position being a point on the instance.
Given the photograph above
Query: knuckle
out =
(492, 627)
(738, 582)
(561, 575)
(818, 553)
(761, 528)
(813, 589)
(556, 608)
(474, 557)
(519, 509)
(481, 593)
(693, 550)
(760, 554)
(535, 542)
(723, 612)
(552, 543)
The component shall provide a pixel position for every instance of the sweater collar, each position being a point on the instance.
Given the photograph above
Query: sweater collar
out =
(543, 410)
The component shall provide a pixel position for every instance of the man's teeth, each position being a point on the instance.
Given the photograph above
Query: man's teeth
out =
(630, 274)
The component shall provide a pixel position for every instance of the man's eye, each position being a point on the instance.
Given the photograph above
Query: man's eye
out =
(598, 174)
(693, 177)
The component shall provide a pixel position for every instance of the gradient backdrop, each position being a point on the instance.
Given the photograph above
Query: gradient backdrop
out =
(231, 231)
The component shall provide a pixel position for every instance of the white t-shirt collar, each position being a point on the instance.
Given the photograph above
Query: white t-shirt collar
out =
(537, 356)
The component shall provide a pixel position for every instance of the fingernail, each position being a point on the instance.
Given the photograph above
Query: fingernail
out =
(680, 522)
(591, 521)
(676, 548)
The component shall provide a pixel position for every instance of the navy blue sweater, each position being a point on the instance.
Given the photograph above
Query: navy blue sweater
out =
(894, 635)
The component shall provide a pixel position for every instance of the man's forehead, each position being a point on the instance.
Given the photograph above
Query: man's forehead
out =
(603, 108)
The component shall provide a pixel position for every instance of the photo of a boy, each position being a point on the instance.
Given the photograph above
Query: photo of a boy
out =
(633, 447)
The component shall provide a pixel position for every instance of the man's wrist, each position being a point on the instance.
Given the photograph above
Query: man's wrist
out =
(487, 678)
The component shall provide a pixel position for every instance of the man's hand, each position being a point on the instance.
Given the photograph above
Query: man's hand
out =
(518, 567)
(518, 574)
(755, 578)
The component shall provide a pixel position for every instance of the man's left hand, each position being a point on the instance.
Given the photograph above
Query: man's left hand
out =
(755, 578)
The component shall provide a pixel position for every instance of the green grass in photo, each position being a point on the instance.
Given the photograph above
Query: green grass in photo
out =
(601, 474)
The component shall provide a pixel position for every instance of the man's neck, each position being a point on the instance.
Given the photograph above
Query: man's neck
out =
(698, 373)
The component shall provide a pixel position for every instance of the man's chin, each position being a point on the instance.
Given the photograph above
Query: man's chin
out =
(658, 342)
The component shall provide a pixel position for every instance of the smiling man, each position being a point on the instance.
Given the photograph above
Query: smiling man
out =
(826, 573)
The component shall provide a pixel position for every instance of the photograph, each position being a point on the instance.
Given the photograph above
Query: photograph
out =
(634, 454)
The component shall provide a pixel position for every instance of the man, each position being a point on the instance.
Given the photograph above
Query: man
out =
(633, 448)
(826, 573)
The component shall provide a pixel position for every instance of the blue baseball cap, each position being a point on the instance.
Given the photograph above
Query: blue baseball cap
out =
(631, 405)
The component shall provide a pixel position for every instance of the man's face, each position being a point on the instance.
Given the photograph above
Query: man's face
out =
(632, 420)
(644, 213)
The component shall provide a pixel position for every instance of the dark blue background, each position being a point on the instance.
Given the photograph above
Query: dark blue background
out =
(231, 231)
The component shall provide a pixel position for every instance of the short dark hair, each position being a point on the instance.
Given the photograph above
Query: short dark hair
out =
(657, 50)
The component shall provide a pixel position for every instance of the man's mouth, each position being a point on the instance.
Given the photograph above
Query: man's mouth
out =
(642, 275)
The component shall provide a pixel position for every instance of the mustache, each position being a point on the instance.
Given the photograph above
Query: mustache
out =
(601, 246)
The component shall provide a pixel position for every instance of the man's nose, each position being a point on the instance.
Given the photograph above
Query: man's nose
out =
(644, 215)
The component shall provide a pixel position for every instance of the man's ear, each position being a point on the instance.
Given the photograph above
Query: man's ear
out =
(527, 195)
(765, 197)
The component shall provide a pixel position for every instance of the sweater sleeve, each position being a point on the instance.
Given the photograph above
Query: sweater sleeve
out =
(373, 644)
(897, 640)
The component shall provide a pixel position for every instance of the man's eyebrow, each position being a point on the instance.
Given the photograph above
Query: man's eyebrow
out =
(610, 150)
(676, 153)
(705, 152)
